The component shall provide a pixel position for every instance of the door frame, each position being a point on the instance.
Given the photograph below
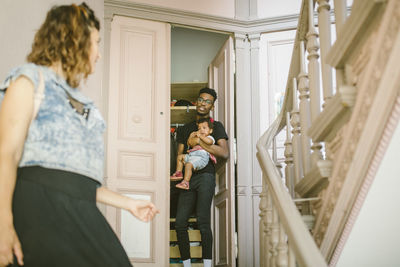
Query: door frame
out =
(225, 189)
(242, 30)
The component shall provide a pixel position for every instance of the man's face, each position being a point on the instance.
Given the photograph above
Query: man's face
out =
(204, 104)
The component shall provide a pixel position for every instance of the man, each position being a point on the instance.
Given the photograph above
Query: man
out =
(202, 183)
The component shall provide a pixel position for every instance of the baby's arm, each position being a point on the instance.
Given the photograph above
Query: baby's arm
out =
(207, 139)
(193, 140)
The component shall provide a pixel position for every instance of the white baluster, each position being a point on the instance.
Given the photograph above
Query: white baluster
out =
(275, 156)
(324, 25)
(305, 117)
(296, 140)
(268, 228)
(313, 71)
(289, 174)
(313, 64)
(282, 260)
(340, 18)
(291, 257)
(274, 238)
(340, 14)
(263, 223)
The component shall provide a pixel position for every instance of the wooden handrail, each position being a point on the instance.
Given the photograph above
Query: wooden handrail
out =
(303, 245)
(300, 239)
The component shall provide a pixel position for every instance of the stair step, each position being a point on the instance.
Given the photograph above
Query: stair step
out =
(194, 235)
(190, 220)
(181, 265)
(195, 252)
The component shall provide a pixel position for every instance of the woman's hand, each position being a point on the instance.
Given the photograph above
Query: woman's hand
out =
(9, 245)
(142, 209)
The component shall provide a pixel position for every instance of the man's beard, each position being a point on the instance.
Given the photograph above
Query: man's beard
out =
(205, 115)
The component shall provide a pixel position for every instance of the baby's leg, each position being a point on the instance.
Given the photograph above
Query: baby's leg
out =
(179, 166)
(188, 171)
(180, 161)
(188, 174)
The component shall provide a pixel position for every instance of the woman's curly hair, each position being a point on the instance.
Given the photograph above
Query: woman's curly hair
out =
(65, 37)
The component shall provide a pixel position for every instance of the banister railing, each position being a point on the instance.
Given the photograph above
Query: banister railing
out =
(299, 238)
(308, 209)
(284, 237)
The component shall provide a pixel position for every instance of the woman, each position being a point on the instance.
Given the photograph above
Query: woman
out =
(51, 163)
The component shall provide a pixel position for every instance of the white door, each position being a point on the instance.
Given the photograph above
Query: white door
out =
(221, 79)
(137, 137)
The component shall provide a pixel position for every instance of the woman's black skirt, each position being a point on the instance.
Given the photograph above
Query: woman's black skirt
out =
(59, 224)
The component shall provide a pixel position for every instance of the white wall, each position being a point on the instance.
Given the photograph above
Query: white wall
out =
(19, 20)
(273, 8)
(374, 239)
(191, 53)
(275, 56)
(221, 8)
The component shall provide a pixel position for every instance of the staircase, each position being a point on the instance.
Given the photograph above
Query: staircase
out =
(333, 146)
(195, 244)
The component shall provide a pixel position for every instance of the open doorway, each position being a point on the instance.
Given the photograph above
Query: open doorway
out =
(202, 58)
(139, 110)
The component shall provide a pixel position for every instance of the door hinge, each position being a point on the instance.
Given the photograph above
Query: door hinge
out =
(236, 245)
(234, 61)
(234, 151)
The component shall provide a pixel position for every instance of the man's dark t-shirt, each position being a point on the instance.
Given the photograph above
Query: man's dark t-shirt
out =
(185, 131)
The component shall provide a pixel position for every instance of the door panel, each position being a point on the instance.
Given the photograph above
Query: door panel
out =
(137, 137)
(222, 80)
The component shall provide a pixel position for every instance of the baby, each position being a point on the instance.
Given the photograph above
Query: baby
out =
(197, 158)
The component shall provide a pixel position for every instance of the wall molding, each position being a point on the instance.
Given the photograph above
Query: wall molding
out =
(187, 18)
(256, 190)
(239, 24)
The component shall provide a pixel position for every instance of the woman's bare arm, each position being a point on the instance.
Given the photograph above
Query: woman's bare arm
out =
(15, 117)
(142, 209)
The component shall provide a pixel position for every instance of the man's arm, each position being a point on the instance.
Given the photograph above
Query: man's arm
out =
(220, 149)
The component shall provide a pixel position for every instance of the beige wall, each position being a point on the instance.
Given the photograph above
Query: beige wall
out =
(192, 52)
(221, 8)
(19, 21)
(226, 8)
(273, 8)
(378, 221)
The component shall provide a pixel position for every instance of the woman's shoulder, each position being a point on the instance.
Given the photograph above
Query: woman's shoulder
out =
(24, 68)
(29, 70)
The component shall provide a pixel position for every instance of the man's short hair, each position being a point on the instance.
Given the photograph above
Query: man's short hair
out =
(209, 91)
